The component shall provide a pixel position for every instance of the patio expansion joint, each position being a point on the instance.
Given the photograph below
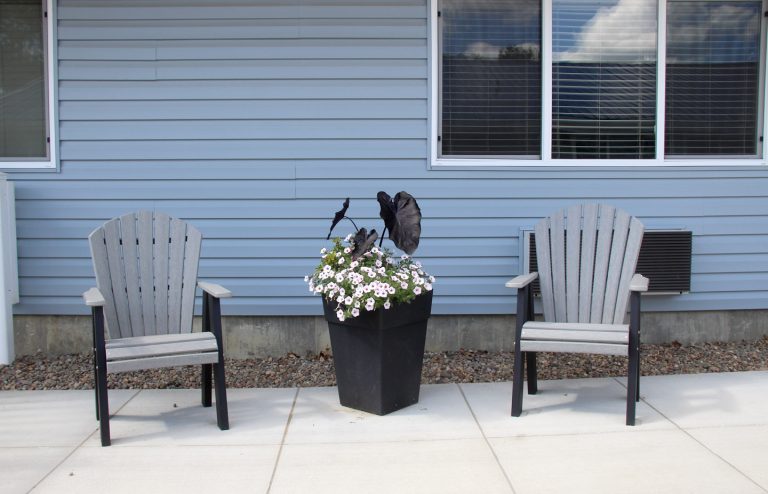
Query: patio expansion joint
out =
(79, 445)
(282, 440)
(692, 437)
(487, 442)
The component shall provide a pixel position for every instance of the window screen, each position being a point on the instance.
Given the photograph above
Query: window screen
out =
(22, 80)
(490, 77)
(604, 79)
(712, 86)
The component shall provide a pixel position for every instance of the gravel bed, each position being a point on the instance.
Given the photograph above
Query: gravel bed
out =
(75, 372)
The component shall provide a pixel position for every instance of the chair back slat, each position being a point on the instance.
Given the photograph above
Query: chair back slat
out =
(602, 257)
(634, 239)
(145, 233)
(146, 269)
(557, 244)
(586, 257)
(615, 263)
(160, 263)
(189, 275)
(587, 265)
(129, 241)
(572, 262)
(545, 268)
(175, 270)
(100, 259)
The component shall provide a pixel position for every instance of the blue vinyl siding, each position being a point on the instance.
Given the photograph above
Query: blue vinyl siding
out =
(253, 120)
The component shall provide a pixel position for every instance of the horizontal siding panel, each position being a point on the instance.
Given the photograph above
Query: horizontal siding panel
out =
(443, 305)
(243, 149)
(242, 69)
(257, 10)
(528, 211)
(142, 189)
(268, 268)
(603, 189)
(326, 49)
(729, 263)
(647, 174)
(242, 129)
(288, 229)
(271, 89)
(247, 110)
(262, 287)
(242, 29)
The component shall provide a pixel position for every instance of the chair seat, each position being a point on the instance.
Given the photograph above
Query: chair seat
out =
(151, 352)
(608, 339)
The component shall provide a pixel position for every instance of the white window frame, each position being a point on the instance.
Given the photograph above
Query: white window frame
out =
(51, 162)
(546, 160)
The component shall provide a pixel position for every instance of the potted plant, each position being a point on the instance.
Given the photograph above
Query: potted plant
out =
(377, 305)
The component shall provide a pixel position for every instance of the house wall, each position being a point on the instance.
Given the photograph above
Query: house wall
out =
(253, 120)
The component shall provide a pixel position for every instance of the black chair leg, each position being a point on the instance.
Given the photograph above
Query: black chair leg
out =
(207, 385)
(212, 319)
(222, 412)
(639, 372)
(632, 388)
(101, 376)
(517, 384)
(530, 363)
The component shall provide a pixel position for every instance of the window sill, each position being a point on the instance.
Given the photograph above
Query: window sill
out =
(501, 164)
(28, 165)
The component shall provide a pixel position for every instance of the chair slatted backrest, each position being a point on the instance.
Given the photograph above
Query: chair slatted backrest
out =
(587, 255)
(146, 269)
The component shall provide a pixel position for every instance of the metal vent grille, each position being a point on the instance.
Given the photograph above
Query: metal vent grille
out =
(665, 259)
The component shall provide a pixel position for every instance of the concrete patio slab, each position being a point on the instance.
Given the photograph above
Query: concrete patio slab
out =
(710, 400)
(176, 417)
(441, 413)
(573, 406)
(696, 433)
(667, 461)
(744, 447)
(23, 468)
(52, 418)
(163, 469)
(459, 466)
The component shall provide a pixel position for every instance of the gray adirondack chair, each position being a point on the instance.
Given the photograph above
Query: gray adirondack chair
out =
(586, 256)
(146, 272)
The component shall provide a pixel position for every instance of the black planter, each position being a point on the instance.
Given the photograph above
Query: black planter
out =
(378, 355)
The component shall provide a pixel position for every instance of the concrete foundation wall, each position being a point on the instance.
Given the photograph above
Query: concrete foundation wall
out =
(250, 336)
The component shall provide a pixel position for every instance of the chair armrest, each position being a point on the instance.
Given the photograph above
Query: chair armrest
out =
(213, 289)
(93, 298)
(638, 283)
(521, 281)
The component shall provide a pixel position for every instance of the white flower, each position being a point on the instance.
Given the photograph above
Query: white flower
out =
(340, 314)
(354, 264)
(348, 238)
(370, 301)
(348, 301)
(339, 277)
(326, 268)
(378, 263)
(347, 250)
(340, 299)
(431, 279)
(306, 279)
(428, 286)
(323, 250)
(369, 307)
(417, 290)
(341, 260)
(355, 312)
(391, 290)
(404, 257)
(404, 286)
(387, 305)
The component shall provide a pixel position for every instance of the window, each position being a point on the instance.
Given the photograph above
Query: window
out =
(574, 82)
(25, 118)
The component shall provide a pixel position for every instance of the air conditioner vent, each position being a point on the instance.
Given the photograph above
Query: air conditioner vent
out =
(665, 259)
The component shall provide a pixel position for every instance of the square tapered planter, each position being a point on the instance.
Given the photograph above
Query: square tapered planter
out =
(378, 355)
